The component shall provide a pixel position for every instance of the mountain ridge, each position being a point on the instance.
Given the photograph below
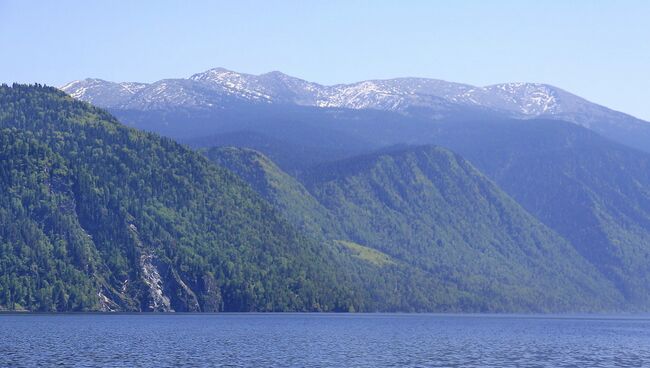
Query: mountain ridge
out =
(429, 208)
(533, 99)
(432, 99)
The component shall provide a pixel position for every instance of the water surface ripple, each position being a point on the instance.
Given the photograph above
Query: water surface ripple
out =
(321, 340)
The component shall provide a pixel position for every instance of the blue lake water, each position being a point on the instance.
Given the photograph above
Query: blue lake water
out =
(322, 340)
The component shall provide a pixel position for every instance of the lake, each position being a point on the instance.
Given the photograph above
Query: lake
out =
(322, 340)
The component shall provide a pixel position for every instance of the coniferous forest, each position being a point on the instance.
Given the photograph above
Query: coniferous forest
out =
(98, 216)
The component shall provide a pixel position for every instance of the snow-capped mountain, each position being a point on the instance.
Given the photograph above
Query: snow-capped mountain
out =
(208, 88)
(392, 95)
(428, 98)
(103, 93)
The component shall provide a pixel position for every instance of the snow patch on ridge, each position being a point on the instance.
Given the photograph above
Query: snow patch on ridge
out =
(218, 88)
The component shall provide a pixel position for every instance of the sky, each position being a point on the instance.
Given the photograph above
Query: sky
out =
(599, 50)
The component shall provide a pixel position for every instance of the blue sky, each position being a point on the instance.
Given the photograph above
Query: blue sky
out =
(599, 50)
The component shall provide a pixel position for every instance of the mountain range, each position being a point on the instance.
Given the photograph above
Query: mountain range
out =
(418, 97)
(408, 194)
(96, 216)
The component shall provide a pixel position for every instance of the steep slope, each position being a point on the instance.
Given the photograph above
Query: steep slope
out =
(282, 190)
(594, 192)
(428, 209)
(95, 216)
(390, 284)
(425, 98)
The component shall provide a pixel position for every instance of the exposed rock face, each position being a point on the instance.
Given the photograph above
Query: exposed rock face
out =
(163, 287)
(106, 304)
(112, 300)
(182, 297)
(158, 301)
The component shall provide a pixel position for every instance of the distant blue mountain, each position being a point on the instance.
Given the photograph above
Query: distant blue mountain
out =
(218, 89)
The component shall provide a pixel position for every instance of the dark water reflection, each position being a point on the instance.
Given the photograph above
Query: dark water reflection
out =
(322, 340)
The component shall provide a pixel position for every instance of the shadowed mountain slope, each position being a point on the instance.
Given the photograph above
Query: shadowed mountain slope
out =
(429, 209)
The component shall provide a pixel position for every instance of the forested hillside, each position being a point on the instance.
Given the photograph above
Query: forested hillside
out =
(592, 191)
(287, 194)
(96, 216)
(429, 209)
